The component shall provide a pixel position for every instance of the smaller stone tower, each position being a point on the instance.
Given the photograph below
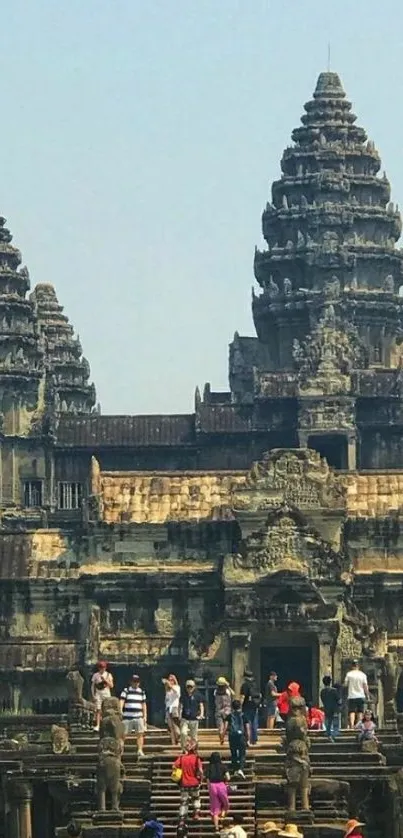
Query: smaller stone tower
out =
(68, 371)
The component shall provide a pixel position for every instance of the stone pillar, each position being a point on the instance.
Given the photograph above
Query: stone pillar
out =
(325, 658)
(351, 452)
(15, 697)
(240, 642)
(21, 816)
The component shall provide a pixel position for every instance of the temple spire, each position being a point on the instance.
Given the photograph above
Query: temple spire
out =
(63, 353)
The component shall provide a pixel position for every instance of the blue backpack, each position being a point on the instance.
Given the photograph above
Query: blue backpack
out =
(236, 727)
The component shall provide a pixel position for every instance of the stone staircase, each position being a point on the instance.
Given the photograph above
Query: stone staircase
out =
(261, 796)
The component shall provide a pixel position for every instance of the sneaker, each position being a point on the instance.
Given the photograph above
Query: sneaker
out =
(96, 729)
(140, 753)
(240, 774)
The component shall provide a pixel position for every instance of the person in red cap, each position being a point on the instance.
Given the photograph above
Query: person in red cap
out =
(283, 702)
(101, 687)
(353, 829)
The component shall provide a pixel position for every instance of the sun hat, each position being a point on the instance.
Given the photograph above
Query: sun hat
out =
(222, 681)
(351, 825)
(291, 831)
(135, 677)
(190, 683)
(269, 826)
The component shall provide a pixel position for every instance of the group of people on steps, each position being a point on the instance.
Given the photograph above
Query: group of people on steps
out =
(185, 709)
(237, 721)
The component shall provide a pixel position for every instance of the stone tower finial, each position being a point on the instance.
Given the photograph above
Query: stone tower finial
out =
(328, 84)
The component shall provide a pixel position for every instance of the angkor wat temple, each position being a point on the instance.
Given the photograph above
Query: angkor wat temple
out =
(263, 530)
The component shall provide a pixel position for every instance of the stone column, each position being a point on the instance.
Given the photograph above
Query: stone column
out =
(325, 658)
(21, 801)
(15, 697)
(351, 452)
(240, 642)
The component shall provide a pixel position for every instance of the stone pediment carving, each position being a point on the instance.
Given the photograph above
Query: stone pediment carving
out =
(299, 477)
(286, 542)
(326, 358)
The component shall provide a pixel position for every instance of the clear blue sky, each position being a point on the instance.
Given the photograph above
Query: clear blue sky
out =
(138, 142)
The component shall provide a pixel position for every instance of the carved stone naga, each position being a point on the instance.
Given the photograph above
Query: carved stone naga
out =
(297, 762)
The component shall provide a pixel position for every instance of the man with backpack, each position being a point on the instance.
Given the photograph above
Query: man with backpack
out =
(251, 700)
(235, 725)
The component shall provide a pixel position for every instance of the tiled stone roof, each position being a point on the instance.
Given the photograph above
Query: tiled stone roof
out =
(94, 431)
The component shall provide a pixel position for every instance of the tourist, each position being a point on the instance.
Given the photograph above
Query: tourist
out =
(192, 774)
(283, 702)
(290, 831)
(218, 777)
(353, 829)
(236, 830)
(330, 698)
(235, 725)
(222, 702)
(182, 830)
(315, 718)
(191, 712)
(270, 828)
(251, 699)
(152, 827)
(271, 697)
(172, 699)
(133, 704)
(357, 692)
(101, 687)
(366, 728)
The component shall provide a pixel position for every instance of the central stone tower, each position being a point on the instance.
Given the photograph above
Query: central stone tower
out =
(327, 360)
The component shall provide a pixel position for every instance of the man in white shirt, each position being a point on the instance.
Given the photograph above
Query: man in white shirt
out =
(357, 692)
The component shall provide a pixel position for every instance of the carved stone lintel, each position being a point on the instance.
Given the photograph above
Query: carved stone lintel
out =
(300, 477)
(286, 542)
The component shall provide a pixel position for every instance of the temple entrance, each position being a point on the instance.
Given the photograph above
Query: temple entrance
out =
(292, 663)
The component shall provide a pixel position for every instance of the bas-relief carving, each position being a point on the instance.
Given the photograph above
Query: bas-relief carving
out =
(285, 542)
(163, 617)
(325, 416)
(358, 633)
(261, 605)
(125, 649)
(326, 358)
(300, 477)
(204, 646)
(93, 634)
(347, 643)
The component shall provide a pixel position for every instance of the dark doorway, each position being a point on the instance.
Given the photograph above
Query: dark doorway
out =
(331, 446)
(292, 663)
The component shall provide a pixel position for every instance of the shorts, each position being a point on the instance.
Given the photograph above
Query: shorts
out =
(134, 725)
(271, 710)
(100, 696)
(355, 705)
